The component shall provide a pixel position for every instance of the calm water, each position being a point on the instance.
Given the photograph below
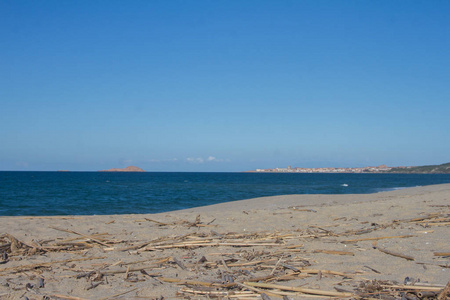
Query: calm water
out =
(81, 193)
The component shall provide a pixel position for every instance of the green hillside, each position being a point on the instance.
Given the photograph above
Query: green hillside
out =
(432, 169)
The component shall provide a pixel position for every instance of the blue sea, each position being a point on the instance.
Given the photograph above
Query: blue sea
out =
(99, 193)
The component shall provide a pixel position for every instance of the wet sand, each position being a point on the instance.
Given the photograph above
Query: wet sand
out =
(335, 244)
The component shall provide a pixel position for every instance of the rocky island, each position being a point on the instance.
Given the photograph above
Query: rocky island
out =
(127, 169)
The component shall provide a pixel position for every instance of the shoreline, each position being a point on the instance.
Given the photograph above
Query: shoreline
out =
(316, 241)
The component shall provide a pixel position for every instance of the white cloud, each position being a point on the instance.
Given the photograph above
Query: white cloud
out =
(197, 160)
(200, 160)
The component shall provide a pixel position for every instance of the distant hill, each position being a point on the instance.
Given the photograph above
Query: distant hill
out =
(127, 169)
(432, 169)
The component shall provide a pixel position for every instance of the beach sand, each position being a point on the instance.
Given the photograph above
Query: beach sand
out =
(323, 245)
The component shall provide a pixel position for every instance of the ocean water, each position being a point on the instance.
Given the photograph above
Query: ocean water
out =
(98, 193)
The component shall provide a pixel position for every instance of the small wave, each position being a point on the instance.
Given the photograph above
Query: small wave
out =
(380, 190)
(344, 184)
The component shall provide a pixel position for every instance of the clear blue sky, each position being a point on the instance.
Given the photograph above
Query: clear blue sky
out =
(223, 85)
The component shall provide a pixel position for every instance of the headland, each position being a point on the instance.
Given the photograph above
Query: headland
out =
(127, 169)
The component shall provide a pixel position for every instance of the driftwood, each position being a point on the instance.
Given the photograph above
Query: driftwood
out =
(395, 253)
(247, 266)
(90, 237)
(441, 253)
(376, 238)
(445, 293)
(299, 289)
(334, 252)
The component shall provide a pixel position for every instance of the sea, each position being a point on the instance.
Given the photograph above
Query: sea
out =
(100, 193)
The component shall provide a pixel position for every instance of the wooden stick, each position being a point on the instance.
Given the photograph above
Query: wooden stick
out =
(395, 254)
(157, 222)
(187, 245)
(231, 294)
(441, 253)
(414, 287)
(443, 294)
(256, 289)
(276, 265)
(67, 297)
(439, 224)
(195, 282)
(83, 235)
(334, 252)
(377, 238)
(312, 271)
(128, 269)
(299, 289)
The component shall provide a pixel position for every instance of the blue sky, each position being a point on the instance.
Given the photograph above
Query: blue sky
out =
(223, 85)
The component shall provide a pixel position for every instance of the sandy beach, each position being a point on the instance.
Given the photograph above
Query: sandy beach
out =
(371, 246)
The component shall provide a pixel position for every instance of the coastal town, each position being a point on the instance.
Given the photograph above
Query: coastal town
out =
(378, 169)
(427, 169)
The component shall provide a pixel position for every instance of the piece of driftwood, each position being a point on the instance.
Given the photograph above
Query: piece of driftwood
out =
(372, 269)
(334, 252)
(377, 238)
(222, 294)
(90, 237)
(66, 297)
(299, 289)
(445, 293)
(407, 257)
(441, 253)
(313, 271)
(414, 287)
(195, 282)
(157, 222)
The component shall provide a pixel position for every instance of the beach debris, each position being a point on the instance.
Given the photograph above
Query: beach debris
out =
(9, 244)
(407, 257)
(204, 263)
(441, 253)
(379, 289)
(41, 283)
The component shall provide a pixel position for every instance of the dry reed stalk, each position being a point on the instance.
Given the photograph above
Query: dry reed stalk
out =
(276, 265)
(299, 289)
(252, 263)
(157, 222)
(313, 271)
(435, 220)
(188, 245)
(228, 294)
(67, 297)
(407, 257)
(128, 270)
(90, 237)
(295, 246)
(334, 252)
(441, 253)
(438, 224)
(259, 291)
(195, 282)
(377, 238)
(414, 287)
(445, 292)
(45, 264)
